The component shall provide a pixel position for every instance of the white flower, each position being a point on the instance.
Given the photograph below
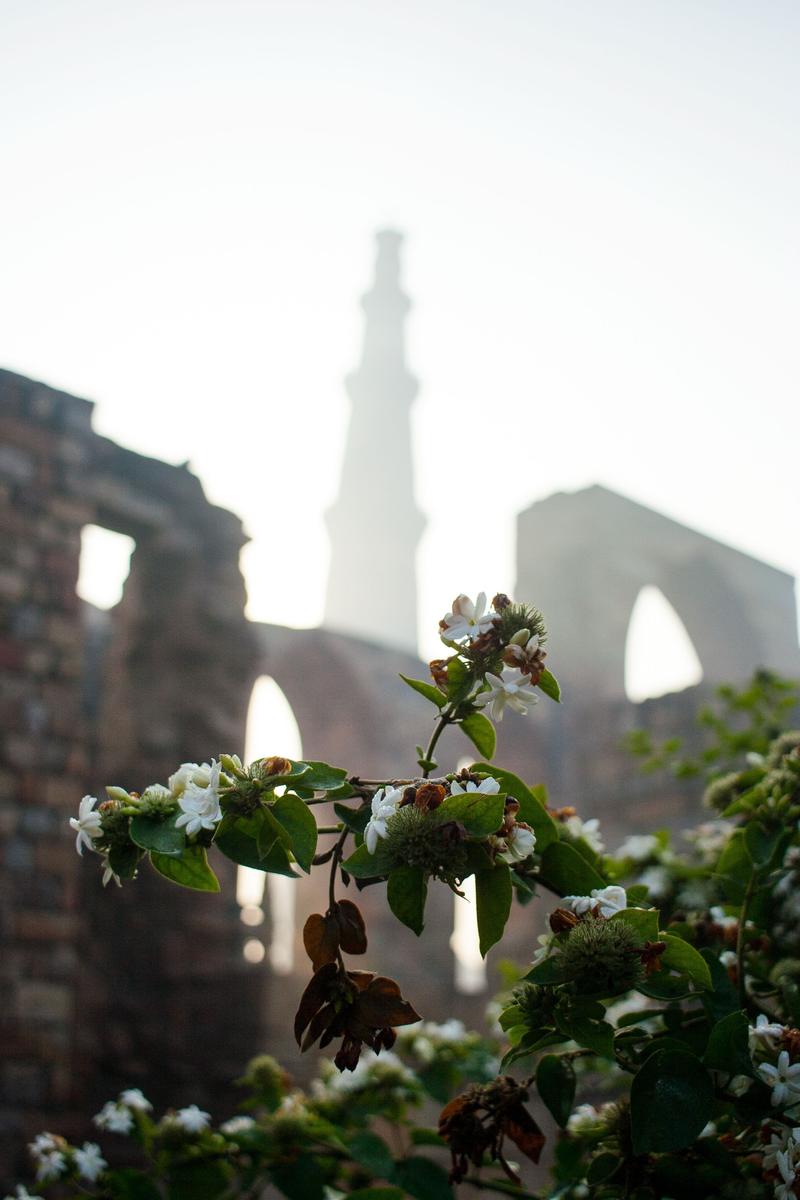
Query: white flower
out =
(133, 1098)
(784, 1161)
(657, 881)
(583, 1119)
(780, 1139)
(22, 1193)
(114, 1117)
(237, 1125)
(50, 1166)
(612, 899)
(486, 787)
(192, 1119)
(783, 1079)
(467, 620)
(513, 688)
(588, 830)
(739, 1085)
(109, 873)
(520, 844)
(87, 824)
(384, 805)
(190, 773)
(200, 805)
(766, 1031)
(721, 918)
(90, 1162)
(638, 846)
(43, 1143)
(729, 958)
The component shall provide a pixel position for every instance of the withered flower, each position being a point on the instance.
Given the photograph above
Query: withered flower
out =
(438, 669)
(650, 954)
(790, 1040)
(429, 796)
(526, 653)
(275, 766)
(342, 927)
(358, 1006)
(562, 920)
(478, 1121)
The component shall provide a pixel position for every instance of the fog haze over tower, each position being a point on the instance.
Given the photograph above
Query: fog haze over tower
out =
(375, 524)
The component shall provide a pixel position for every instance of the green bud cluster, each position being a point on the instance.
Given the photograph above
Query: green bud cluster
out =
(721, 792)
(537, 1003)
(602, 958)
(521, 616)
(422, 839)
(157, 801)
(783, 746)
(116, 826)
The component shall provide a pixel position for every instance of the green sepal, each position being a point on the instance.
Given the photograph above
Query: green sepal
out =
(549, 685)
(406, 890)
(481, 732)
(428, 690)
(493, 894)
(297, 819)
(191, 870)
(157, 833)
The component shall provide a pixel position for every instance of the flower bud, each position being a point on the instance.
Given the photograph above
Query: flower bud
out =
(118, 793)
(602, 957)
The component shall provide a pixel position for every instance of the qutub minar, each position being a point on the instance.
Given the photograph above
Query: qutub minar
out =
(130, 987)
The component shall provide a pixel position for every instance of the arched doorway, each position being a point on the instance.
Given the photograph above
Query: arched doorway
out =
(659, 654)
(271, 729)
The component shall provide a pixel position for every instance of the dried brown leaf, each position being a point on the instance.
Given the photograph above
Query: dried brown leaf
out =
(321, 939)
(352, 931)
(316, 994)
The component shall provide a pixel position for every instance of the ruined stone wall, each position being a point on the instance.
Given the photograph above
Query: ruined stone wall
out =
(101, 988)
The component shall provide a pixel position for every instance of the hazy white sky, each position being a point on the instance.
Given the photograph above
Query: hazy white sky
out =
(600, 198)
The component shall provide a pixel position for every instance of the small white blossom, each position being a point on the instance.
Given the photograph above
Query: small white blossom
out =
(583, 1119)
(384, 805)
(739, 1085)
(728, 958)
(513, 688)
(109, 873)
(187, 773)
(114, 1117)
(237, 1125)
(520, 844)
(784, 1079)
(192, 1119)
(638, 846)
(588, 830)
(22, 1193)
(43, 1143)
(50, 1166)
(657, 881)
(87, 824)
(787, 1168)
(765, 1031)
(781, 1139)
(609, 900)
(199, 806)
(721, 918)
(467, 620)
(133, 1098)
(90, 1162)
(487, 787)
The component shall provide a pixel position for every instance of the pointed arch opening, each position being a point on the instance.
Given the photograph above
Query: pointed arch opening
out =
(469, 968)
(105, 561)
(659, 654)
(271, 729)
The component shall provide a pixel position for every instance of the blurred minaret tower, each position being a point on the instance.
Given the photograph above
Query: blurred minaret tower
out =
(375, 524)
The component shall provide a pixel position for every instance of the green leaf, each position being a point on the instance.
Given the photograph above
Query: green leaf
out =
(724, 999)
(567, 872)
(406, 891)
(637, 894)
(551, 970)
(734, 867)
(680, 956)
(478, 813)
(493, 902)
(377, 1193)
(124, 1183)
(322, 777)
(593, 1035)
(480, 731)
(270, 832)
(157, 833)
(422, 1178)
(198, 1181)
(237, 838)
(303, 1178)
(371, 1151)
(427, 690)
(549, 685)
(191, 870)
(532, 807)
(459, 679)
(672, 1100)
(602, 1167)
(354, 818)
(643, 920)
(763, 844)
(728, 1048)
(124, 860)
(555, 1083)
(297, 819)
(363, 865)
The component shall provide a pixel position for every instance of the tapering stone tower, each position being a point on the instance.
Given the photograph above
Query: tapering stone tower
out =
(375, 524)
